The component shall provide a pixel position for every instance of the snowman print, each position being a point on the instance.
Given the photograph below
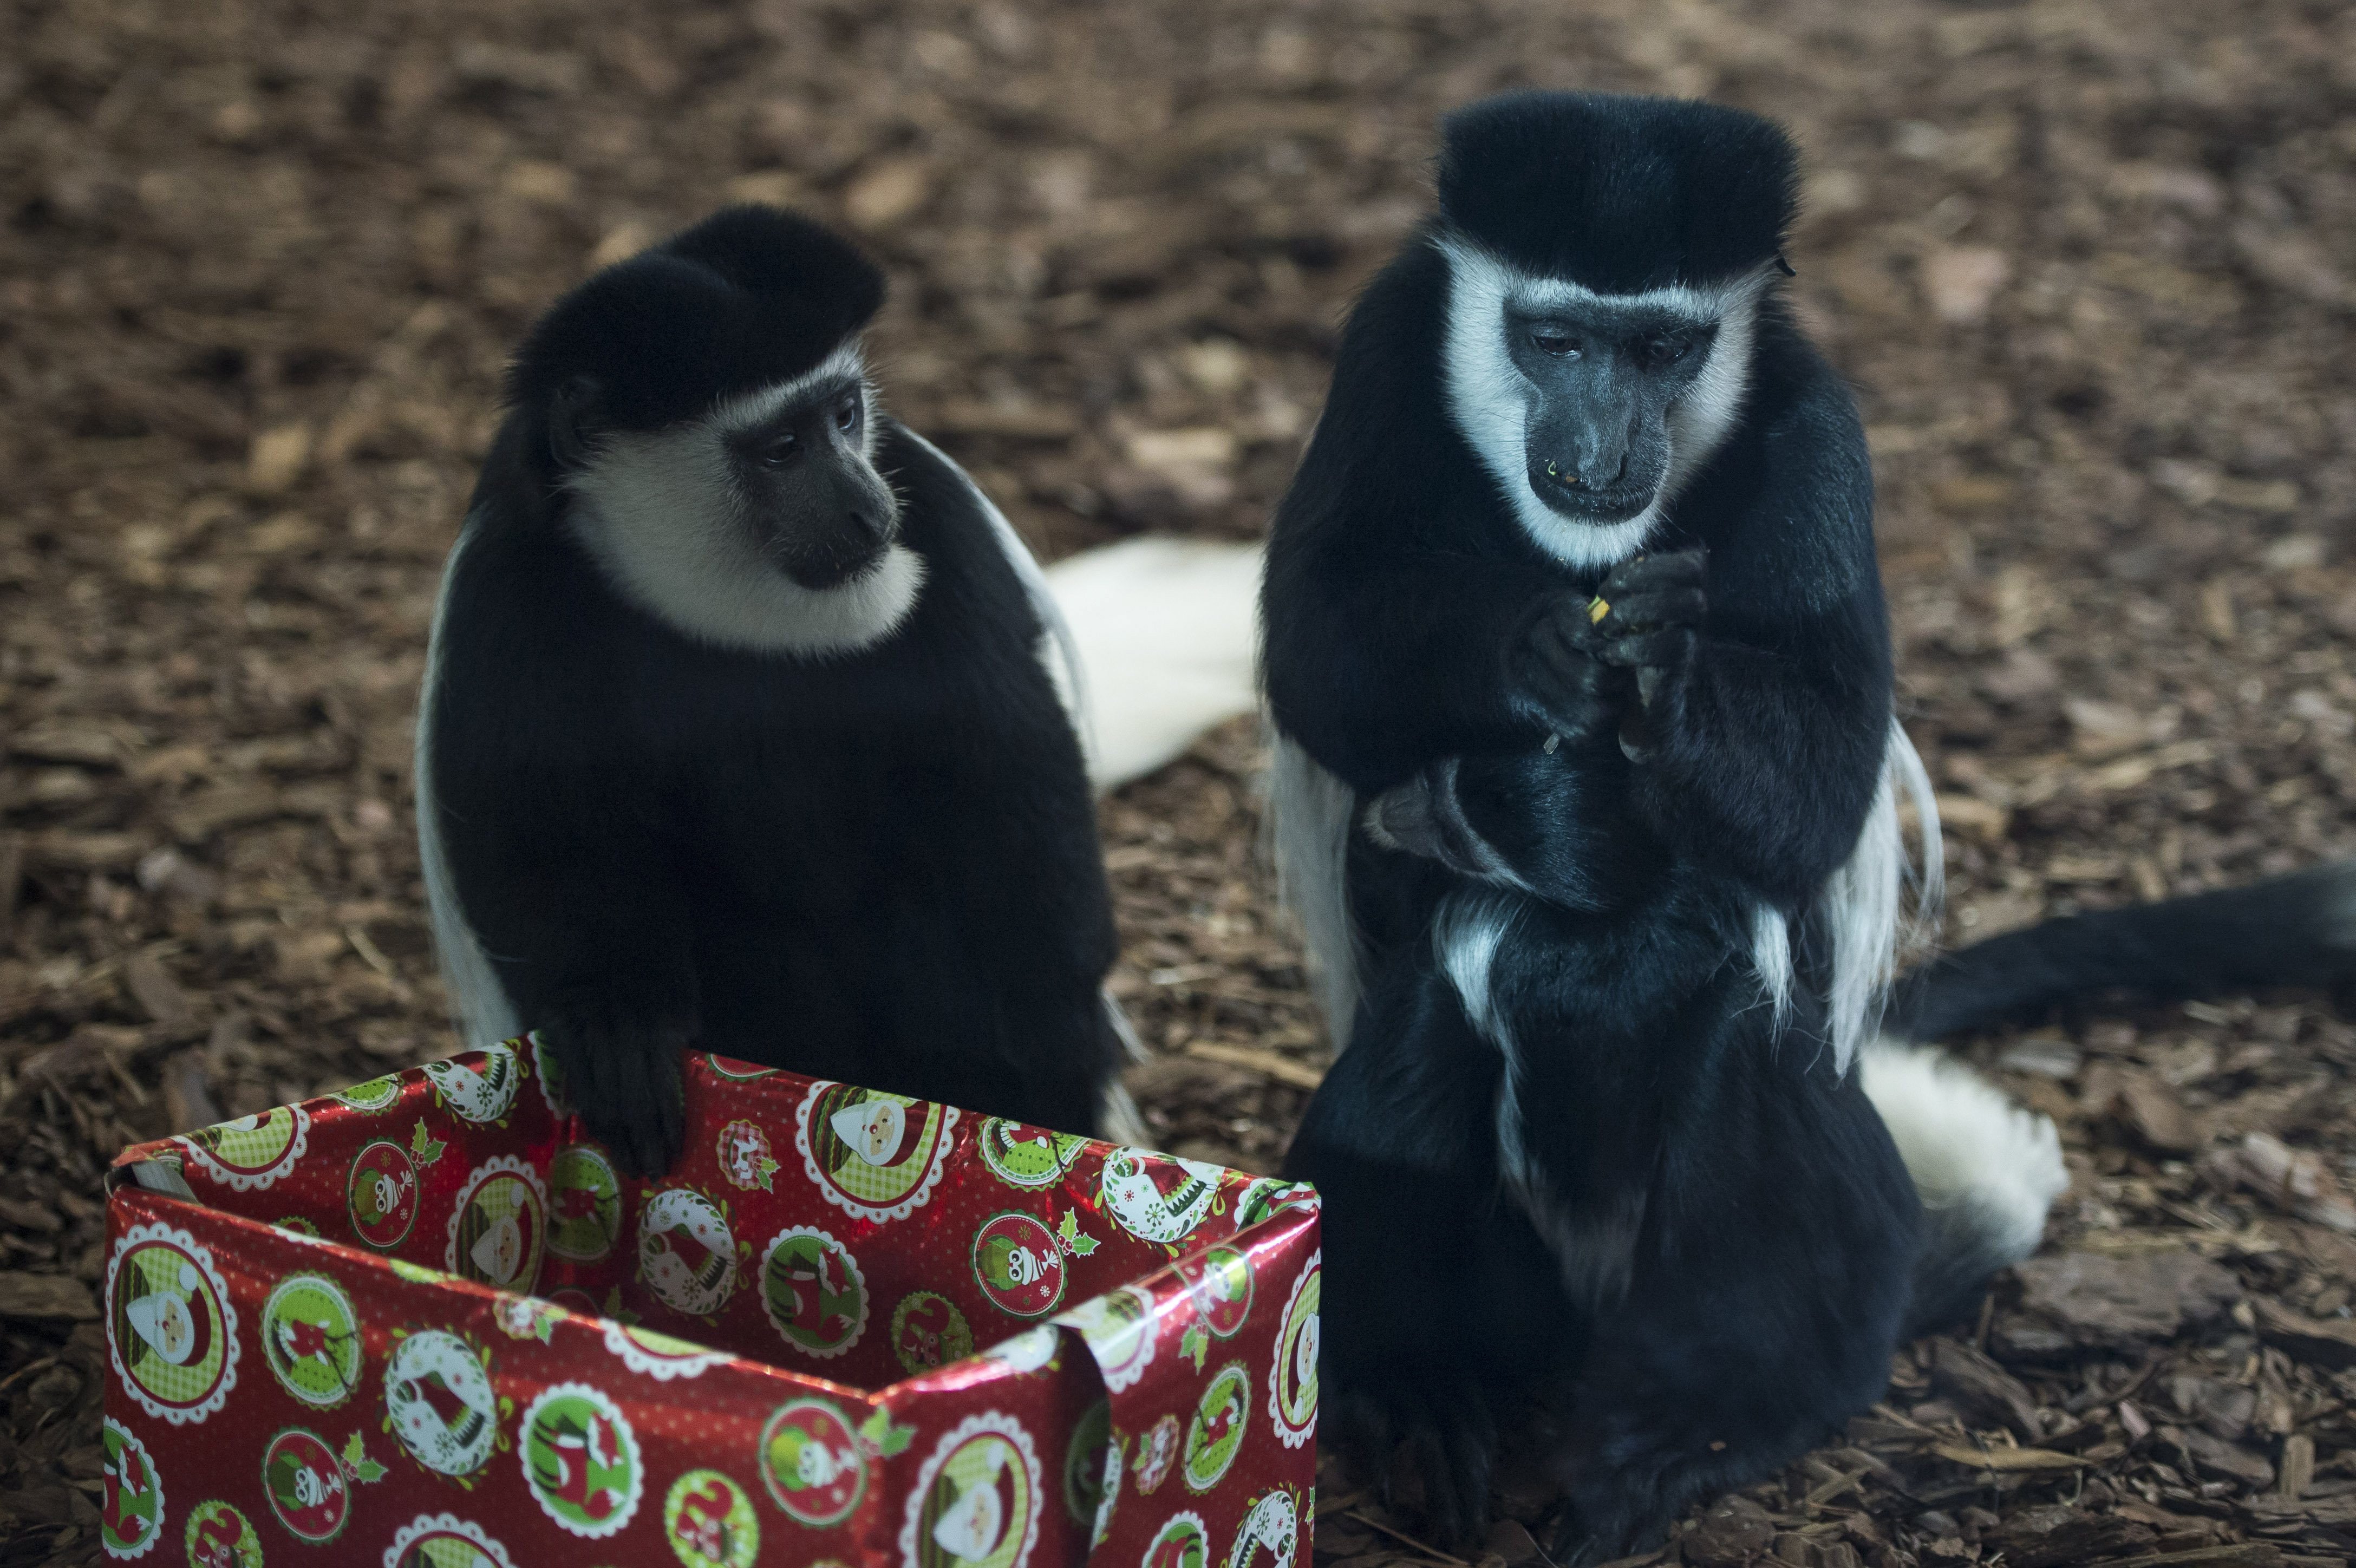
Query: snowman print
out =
(381, 1195)
(811, 1463)
(304, 1483)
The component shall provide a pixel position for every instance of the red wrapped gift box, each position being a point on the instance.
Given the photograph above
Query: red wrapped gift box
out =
(421, 1323)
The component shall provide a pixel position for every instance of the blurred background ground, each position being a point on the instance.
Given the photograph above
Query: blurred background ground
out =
(2092, 266)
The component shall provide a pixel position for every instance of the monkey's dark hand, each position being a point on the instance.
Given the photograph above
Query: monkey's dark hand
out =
(622, 1073)
(1556, 674)
(1650, 631)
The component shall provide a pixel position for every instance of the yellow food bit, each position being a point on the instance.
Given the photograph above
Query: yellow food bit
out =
(1596, 611)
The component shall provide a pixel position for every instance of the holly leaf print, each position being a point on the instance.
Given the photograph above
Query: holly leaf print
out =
(1074, 1240)
(1194, 1344)
(425, 1148)
(357, 1461)
(767, 1168)
(878, 1435)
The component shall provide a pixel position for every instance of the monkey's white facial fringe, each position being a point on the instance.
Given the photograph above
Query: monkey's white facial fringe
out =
(1488, 394)
(478, 1003)
(757, 407)
(1863, 905)
(660, 514)
(1310, 813)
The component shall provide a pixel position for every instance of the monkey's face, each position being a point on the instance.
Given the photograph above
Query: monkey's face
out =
(813, 501)
(1601, 381)
(761, 524)
(1591, 410)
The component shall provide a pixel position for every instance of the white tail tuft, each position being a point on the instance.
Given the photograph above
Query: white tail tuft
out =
(1166, 633)
(1969, 1149)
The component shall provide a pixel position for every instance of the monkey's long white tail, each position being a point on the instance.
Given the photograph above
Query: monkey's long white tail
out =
(1167, 630)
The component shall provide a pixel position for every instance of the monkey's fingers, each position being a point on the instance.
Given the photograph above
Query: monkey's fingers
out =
(1667, 649)
(1653, 573)
(653, 1111)
(611, 1109)
(1572, 706)
(590, 1076)
(1645, 611)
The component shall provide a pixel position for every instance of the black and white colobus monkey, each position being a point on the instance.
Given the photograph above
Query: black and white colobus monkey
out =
(1602, 899)
(737, 733)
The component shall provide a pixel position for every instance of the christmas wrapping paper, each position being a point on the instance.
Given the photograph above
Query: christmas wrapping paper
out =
(425, 1323)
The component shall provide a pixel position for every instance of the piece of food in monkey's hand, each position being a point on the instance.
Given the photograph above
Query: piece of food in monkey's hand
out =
(1597, 608)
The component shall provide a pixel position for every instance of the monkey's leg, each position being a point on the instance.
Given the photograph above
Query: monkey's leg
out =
(1440, 1300)
(1769, 1288)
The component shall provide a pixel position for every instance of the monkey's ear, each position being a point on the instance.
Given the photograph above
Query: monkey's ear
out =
(574, 412)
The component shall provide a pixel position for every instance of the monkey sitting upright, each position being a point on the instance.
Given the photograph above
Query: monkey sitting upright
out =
(737, 733)
(1588, 787)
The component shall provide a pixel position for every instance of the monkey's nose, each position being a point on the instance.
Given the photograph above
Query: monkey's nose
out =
(1602, 470)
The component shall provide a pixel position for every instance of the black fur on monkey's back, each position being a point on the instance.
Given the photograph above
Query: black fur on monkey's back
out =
(1747, 1212)
(880, 866)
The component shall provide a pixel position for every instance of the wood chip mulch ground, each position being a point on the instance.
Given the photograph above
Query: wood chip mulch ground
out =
(2090, 263)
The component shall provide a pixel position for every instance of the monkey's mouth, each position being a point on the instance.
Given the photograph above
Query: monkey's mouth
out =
(820, 570)
(835, 562)
(1562, 492)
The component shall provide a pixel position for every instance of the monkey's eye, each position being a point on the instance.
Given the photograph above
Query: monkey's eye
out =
(781, 449)
(1667, 350)
(1554, 341)
(846, 418)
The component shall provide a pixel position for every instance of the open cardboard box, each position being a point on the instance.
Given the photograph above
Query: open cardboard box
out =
(420, 1323)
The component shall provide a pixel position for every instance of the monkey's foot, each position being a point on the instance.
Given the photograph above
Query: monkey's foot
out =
(1447, 1443)
(1623, 1492)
